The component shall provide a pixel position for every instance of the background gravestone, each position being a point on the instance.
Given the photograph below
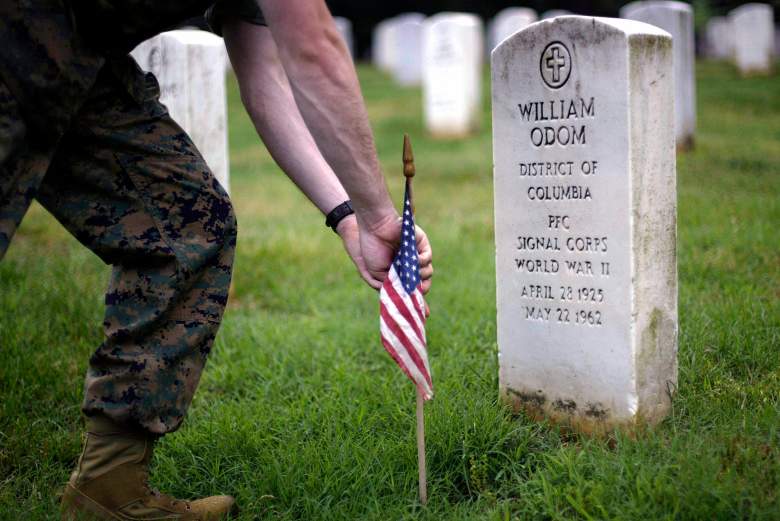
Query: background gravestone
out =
(190, 67)
(753, 26)
(552, 13)
(452, 74)
(380, 45)
(585, 220)
(627, 8)
(719, 38)
(407, 38)
(676, 18)
(345, 30)
(507, 22)
(388, 48)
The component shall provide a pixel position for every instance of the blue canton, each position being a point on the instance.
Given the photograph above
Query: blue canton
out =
(406, 263)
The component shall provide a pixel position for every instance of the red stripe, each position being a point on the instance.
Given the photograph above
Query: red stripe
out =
(401, 306)
(391, 350)
(416, 304)
(406, 343)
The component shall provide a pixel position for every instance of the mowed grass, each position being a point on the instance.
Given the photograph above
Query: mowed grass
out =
(301, 413)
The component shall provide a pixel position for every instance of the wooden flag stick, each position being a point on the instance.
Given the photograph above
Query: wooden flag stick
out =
(408, 159)
(421, 449)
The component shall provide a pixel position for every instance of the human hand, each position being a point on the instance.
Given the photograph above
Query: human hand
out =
(379, 244)
(350, 236)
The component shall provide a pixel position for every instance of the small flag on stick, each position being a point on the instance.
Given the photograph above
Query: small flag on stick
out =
(402, 314)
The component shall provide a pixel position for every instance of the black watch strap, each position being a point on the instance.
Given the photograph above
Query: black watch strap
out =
(338, 213)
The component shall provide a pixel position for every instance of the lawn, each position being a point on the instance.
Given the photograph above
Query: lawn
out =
(302, 415)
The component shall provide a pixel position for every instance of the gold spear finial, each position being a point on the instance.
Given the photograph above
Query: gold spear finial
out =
(408, 158)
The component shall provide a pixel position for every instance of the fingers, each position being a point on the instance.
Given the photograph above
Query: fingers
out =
(370, 280)
(424, 252)
(425, 256)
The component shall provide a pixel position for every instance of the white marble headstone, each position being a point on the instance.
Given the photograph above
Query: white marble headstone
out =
(585, 221)
(627, 8)
(676, 18)
(552, 13)
(380, 48)
(452, 74)
(754, 33)
(777, 42)
(719, 38)
(344, 26)
(190, 67)
(407, 38)
(507, 22)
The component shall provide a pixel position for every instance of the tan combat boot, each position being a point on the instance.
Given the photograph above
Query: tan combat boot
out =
(110, 482)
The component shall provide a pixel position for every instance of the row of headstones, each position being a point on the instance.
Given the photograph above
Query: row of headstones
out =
(747, 35)
(439, 52)
(445, 54)
(585, 220)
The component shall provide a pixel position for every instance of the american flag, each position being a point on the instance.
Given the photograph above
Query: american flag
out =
(402, 309)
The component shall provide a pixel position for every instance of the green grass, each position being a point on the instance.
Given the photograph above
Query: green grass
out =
(301, 413)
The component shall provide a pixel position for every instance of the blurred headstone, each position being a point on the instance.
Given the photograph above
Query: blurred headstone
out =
(777, 42)
(627, 8)
(407, 38)
(507, 22)
(344, 25)
(754, 33)
(452, 74)
(380, 45)
(719, 38)
(386, 52)
(190, 68)
(585, 220)
(552, 13)
(676, 18)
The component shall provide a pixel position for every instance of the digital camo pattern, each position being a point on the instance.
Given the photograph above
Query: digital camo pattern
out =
(129, 184)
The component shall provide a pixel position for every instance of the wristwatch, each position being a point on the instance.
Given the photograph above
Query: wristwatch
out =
(338, 213)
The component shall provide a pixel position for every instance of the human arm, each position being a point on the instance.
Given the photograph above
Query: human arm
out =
(326, 89)
(273, 104)
(268, 99)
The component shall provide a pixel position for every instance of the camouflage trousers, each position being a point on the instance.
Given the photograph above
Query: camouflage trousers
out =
(87, 137)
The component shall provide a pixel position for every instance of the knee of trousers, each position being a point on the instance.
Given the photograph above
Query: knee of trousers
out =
(208, 236)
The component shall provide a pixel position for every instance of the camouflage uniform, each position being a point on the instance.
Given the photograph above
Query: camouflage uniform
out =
(83, 132)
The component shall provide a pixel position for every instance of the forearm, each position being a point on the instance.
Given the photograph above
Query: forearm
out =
(266, 94)
(327, 92)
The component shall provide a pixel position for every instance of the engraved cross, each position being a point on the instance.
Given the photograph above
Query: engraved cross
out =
(555, 62)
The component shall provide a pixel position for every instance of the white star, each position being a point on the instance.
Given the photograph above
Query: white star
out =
(406, 264)
(406, 212)
(406, 254)
(406, 232)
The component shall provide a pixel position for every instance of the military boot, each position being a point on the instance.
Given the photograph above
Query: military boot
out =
(111, 482)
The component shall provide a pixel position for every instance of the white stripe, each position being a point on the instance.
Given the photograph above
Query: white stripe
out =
(417, 343)
(399, 288)
(417, 376)
(421, 301)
